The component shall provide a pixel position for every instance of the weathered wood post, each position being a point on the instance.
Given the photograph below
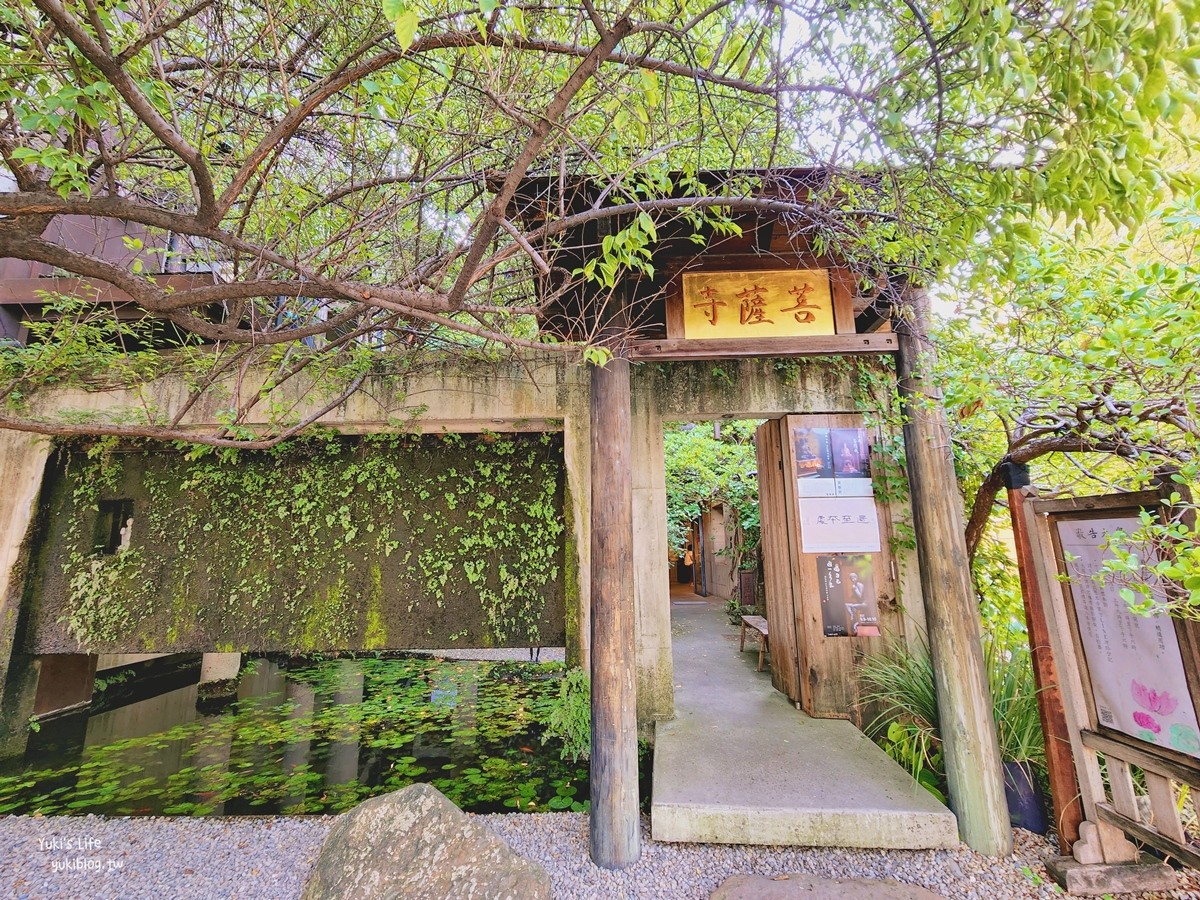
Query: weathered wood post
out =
(968, 730)
(615, 825)
(1060, 763)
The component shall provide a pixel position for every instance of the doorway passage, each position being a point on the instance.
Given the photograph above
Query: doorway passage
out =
(712, 509)
(739, 764)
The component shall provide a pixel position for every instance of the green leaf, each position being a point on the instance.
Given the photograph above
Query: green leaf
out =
(406, 27)
(647, 223)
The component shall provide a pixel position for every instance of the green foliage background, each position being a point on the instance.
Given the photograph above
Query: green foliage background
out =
(330, 544)
(704, 471)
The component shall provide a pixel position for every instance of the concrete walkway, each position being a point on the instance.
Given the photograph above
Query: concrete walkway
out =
(739, 764)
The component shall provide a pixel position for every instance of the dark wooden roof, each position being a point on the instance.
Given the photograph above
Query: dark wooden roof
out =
(768, 239)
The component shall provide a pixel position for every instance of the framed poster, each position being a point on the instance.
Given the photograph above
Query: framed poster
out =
(1136, 680)
(814, 462)
(834, 490)
(1138, 683)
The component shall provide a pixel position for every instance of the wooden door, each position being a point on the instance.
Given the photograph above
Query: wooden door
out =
(828, 567)
(776, 557)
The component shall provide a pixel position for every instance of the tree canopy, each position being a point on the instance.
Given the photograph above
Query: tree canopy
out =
(345, 174)
(1086, 366)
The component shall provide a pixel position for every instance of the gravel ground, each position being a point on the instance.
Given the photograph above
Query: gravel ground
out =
(157, 858)
(270, 858)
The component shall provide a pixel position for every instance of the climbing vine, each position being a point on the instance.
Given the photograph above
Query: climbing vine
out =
(328, 543)
(877, 397)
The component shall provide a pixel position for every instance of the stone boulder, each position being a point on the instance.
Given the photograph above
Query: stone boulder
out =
(414, 843)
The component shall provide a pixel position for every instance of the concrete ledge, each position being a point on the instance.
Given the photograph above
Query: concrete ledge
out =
(802, 886)
(1148, 874)
(740, 765)
(804, 827)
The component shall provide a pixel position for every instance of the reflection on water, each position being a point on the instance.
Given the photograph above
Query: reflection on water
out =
(305, 737)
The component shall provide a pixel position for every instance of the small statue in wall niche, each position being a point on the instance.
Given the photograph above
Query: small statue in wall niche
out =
(126, 535)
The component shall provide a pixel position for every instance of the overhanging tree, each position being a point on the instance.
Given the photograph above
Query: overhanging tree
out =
(1086, 367)
(1088, 353)
(346, 172)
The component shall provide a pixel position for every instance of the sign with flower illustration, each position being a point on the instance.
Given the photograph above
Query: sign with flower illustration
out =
(1138, 683)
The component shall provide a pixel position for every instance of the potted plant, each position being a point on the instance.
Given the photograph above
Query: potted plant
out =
(1018, 729)
(899, 685)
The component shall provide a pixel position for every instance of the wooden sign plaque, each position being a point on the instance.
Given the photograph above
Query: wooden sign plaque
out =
(762, 304)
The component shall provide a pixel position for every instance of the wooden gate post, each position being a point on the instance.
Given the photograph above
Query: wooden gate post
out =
(968, 731)
(1060, 762)
(615, 825)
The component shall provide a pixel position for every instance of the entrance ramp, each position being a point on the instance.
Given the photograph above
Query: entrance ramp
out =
(739, 764)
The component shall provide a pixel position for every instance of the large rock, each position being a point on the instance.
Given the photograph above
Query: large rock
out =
(414, 843)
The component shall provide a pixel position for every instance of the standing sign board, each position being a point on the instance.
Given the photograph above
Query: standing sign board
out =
(1129, 683)
(1138, 685)
(1133, 668)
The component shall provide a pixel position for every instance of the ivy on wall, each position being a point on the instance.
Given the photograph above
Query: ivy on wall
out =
(877, 397)
(328, 543)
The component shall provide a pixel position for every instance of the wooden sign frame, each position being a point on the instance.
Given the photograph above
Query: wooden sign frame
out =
(842, 285)
(1110, 805)
(1085, 509)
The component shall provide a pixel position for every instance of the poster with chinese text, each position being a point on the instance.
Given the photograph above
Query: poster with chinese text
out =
(849, 604)
(851, 452)
(814, 462)
(834, 489)
(839, 525)
(1136, 669)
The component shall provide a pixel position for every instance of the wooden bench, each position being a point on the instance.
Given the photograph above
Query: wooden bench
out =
(759, 625)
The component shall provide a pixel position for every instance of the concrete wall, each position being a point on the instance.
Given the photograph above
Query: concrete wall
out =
(22, 464)
(341, 549)
(108, 661)
(534, 394)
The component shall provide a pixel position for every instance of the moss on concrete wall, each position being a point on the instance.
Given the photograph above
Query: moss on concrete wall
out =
(385, 541)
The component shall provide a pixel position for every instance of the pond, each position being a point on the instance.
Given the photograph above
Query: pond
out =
(304, 737)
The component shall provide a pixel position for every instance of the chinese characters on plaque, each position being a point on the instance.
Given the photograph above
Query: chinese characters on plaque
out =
(1134, 662)
(833, 484)
(776, 303)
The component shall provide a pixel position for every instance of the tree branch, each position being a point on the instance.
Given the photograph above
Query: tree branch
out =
(138, 102)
